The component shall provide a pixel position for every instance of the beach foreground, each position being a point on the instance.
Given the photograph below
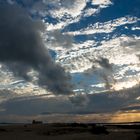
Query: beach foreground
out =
(73, 131)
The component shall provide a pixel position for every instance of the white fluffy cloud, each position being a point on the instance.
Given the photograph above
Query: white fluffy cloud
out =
(102, 3)
(91, 11)
(71, 8)
(107, 49)
(106, 27)
(120, 52)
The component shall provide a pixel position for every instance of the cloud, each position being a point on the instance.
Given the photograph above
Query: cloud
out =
(106, 27)
(102, 3)
(64, 8)
(56, 38)
(132, 45)
(22, 49)
(58, 9)
(104, 62)
(79, 100)
(104, 102)
(91, 11)
(105, 72)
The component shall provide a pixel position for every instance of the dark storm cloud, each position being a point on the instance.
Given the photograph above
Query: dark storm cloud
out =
(22, 49)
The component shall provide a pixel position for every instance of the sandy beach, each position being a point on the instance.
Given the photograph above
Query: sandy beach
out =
(69, 132)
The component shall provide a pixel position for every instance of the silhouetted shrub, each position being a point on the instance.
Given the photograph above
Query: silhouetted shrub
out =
(99, 130)
(2, 130)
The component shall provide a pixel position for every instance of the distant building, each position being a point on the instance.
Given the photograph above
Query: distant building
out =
(37, 122)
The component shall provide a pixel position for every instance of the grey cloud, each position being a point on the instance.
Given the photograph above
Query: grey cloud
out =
(107, 75)
(40, 8)
(22, 49)
(105, 72)
(134, 43)
(43, 7)
(36, 7)
(137, 48)
(132, 46)
(104, 62)
(25, 3)
(95, 103)
(59, 39)
(67, 3)
(79, 100)
(107, 81)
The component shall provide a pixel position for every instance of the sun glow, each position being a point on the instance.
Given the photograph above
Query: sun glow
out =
(129, 116)
(124, 85)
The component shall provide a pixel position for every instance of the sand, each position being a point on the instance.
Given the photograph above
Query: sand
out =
(68, 132)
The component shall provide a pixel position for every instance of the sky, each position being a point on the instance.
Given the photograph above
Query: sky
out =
(69, 60)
